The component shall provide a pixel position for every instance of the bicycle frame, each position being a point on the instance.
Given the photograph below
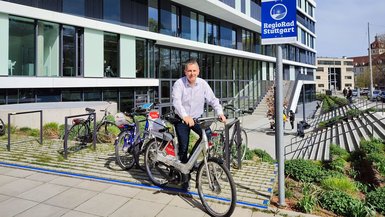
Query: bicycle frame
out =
(186, 168)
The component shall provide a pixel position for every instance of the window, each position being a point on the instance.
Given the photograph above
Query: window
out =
(21, 60)
(212, 33)
(193, 26)
(111, 55)
(348, 77)
(153, 15)
(318, 77)
(141, 59)
(175, 20)
(72, 51)
(76, 7)
(111, 10)
(48, 52)
(321, 85)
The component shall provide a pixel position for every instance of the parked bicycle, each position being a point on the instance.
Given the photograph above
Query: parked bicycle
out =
(2, 127)
(81, 132)
(218, 138)
(129, 145)
(213, 179)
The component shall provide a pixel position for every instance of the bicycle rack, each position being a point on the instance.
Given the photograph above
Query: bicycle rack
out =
(20, 113)
(237, 127)
(66, 131)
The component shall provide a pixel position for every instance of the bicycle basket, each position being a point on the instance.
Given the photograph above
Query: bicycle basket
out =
(121, 119)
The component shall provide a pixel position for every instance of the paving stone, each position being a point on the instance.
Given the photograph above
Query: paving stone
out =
(20, 173)
(154, 196)
(179, 211)
(42, 177)
(17, 187)
(13, 206)
(137, 206)
(43, 210)
(43, 192)
(6, 179)
(93, 185)
(126, 191)
(102, 204)
(66, 181)
(78, 214)
(71, 198)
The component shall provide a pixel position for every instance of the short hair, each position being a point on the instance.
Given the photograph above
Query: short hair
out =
(191, 61)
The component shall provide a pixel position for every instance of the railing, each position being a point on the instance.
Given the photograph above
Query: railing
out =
(20, 113)
(309, 141)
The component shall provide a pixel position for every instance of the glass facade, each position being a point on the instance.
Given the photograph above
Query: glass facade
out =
(75, 7)
(111, 55)
(21, 47)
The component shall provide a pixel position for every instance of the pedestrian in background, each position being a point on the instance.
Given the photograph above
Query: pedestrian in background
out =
(344, 92)
(291, 118)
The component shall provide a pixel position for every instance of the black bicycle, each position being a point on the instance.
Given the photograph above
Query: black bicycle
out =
(81, 132)
(2, 127)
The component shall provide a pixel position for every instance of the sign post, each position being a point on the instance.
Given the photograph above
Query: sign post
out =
(279, 26)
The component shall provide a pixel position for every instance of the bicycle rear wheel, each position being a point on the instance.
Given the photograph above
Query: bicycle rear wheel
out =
(2, 128)
(243, 148)
(216, 188)
(124, 150)
(77, 137)
(156, 171)
(107, 132)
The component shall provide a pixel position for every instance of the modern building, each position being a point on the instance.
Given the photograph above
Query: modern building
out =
(131, 51)
(334, 74)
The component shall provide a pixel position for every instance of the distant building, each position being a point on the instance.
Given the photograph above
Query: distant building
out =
(334, 74)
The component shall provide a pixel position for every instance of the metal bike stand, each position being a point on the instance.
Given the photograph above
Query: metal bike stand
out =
(65, 145)
(228, 126)
(20, 113)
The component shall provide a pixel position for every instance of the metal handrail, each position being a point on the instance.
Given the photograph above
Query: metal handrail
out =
(330, 138)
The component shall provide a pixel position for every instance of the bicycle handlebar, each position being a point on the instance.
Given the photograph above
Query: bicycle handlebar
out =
(241, 111)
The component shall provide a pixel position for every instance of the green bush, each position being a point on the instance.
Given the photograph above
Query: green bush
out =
(343, 204)
(343, 184)
(376, 198)
(309, 200)
(304, 170)
(261, 154)
(372, 146)
(51, 130)
(338, 165)
(378, 160)
(353, 112)
(335, 150)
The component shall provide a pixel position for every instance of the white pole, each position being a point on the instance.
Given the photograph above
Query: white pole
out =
(370, 64)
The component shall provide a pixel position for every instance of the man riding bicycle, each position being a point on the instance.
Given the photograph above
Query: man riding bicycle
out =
(189, 95)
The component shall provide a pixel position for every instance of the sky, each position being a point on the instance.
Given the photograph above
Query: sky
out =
(342, 26)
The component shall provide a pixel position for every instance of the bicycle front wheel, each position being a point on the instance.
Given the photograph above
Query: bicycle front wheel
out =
(124, 150)
(107, 132)
(156, 171)
(77, 137)
(216, 188)
(243, 148)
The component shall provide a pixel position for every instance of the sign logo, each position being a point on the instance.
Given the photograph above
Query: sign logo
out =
(279, 21)
(278, 12)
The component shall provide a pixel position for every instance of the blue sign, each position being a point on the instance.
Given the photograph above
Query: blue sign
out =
(279, 23)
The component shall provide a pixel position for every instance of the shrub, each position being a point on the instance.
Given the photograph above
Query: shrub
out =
(51, 130)
(343, 204)
(343, 184)
(338, 165)
(263, 155)
(335, 150)
(353, 112)
(376, 198)
(304, 170)
(372, 146)
(378, 160)
(309, 200)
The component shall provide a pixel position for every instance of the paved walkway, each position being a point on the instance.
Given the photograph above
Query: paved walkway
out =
(34, 194)
(89, 183)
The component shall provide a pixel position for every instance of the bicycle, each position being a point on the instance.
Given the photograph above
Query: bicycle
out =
(212, 179)
(129, 144)
(2, 127)
(81, 131)
(218, 139)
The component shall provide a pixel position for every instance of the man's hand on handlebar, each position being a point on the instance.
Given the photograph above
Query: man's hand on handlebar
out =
(223, 118)
(189, 121)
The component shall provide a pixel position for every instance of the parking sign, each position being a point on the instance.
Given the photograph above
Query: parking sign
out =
(279, 23)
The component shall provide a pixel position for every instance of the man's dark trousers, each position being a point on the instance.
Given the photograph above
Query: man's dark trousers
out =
(183, 134)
